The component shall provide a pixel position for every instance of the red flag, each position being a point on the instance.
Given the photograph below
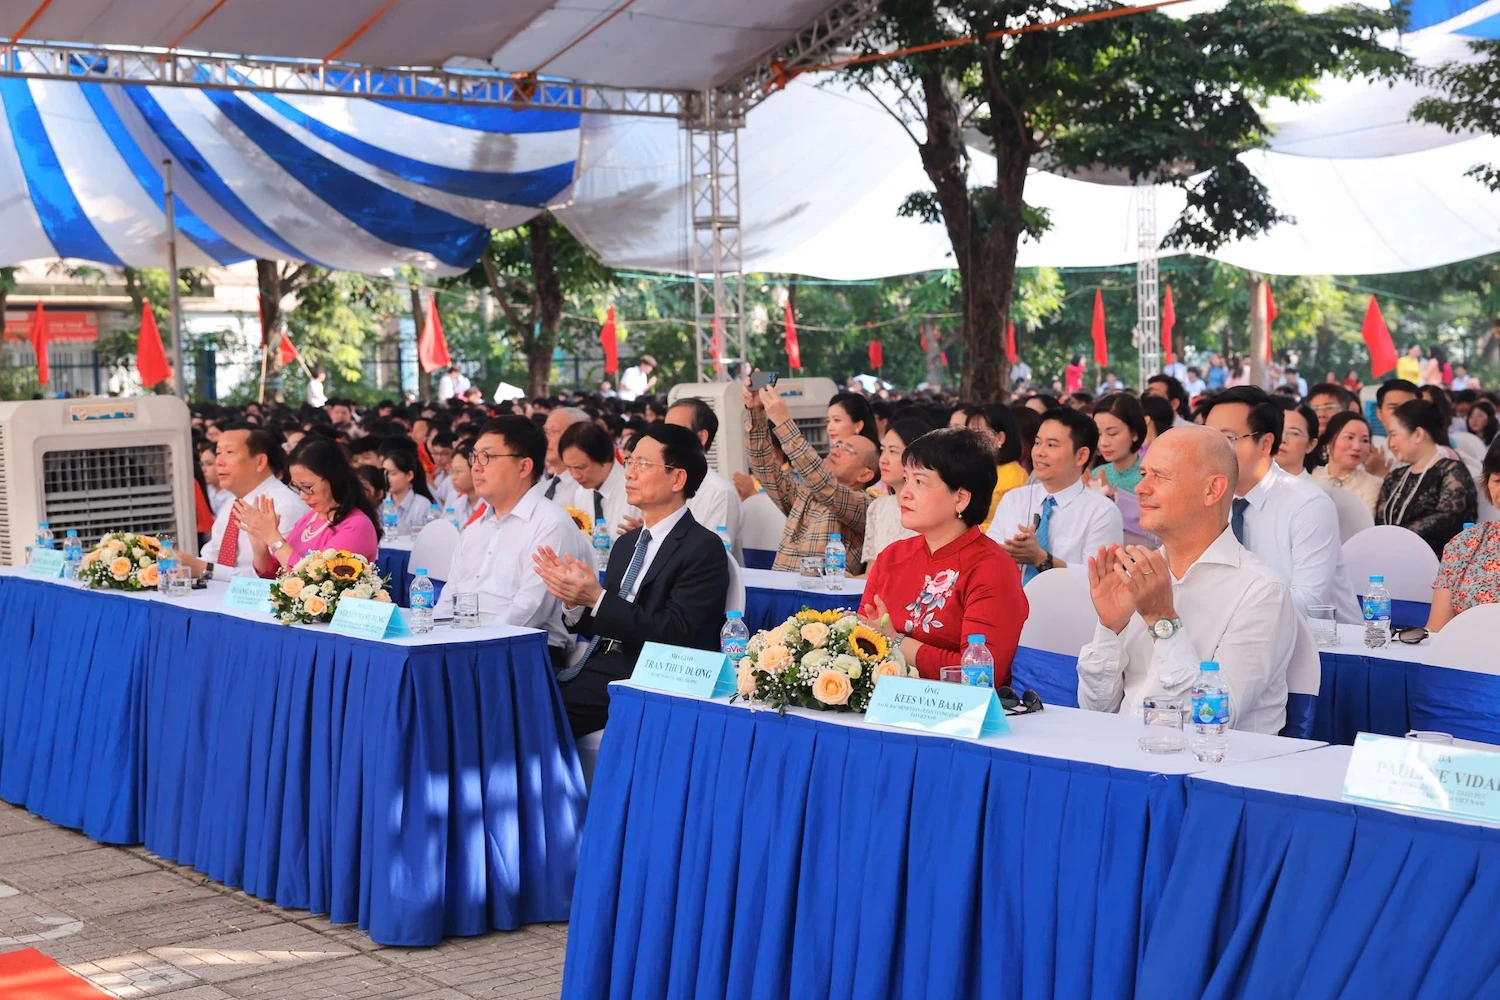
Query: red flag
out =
(286, 351)
(1168, 320)
(610, 341)
(1101, 348)
(877, 354)
(432, 346)
(150, 357)
(943, 357)
(39, 344)
(1378, 340)
(1270, 318)
(793, 349)
(1010, 343)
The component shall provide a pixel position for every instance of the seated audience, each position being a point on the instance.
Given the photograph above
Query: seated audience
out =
(667, 581)
(1057, 520)
(1470, 570)
(250, 466)
(556, 482)
(998, 424)
(1200, 597)
(1122, 432)
(341, 515)
(465, 499)
(883, 519)
(217, 496)
(932, 591)
(1433, 494)
(849, 415)
(1392, 394)
(1345, 445)
(1481, 421)
(441, 450)
(407, 484)
(588, 454)
(1326, 400)
(1297, 455)
(372, 478)
(716, 503)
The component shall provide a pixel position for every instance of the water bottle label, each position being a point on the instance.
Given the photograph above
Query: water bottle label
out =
(166, 566)
(1211, 709)
(834, 561)
(979, 675)
(421, 601)
(1377, 610)
(735, 649)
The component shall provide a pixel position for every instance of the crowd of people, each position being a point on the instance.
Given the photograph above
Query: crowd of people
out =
(1202, 515)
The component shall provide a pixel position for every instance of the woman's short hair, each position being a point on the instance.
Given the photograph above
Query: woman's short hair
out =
(1418, 414)
(327, 460)
(1158, 413)
(1126, 409)
(1002, 421)
(963, 461)
(858, 409)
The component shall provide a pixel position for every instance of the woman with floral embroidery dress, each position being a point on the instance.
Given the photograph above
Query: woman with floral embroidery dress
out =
(932, 591)
(1469, 574)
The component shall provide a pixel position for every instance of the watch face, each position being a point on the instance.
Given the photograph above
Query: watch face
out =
(1163, 628)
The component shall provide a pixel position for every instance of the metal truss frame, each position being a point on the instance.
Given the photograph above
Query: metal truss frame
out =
(717, 262)
(1147, 301)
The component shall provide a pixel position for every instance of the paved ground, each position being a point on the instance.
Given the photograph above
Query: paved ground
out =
(137, 926)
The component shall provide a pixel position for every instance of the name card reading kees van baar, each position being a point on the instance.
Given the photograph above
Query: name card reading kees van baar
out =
(700, 673)
(935, 707)
(1435, 778)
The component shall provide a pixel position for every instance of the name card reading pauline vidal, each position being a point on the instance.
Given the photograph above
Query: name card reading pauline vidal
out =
(1435, 778)
(364, 618)
(46, 564)
(700, 673)
(935, 707)
(248, 593)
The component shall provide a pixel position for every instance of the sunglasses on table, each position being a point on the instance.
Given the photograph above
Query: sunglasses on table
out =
(1411, 636)
(1025, 703)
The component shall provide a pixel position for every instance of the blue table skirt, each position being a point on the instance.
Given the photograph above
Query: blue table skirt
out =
(1274, 896)
(769, 608)
(421, 792)
(900, 865)
(395, 566)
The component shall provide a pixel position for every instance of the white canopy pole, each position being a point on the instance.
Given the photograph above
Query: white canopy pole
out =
(179, 379)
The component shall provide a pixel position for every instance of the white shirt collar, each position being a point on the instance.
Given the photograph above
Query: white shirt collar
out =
(1261, 491)
(1226, 550)
(524, 508)
(1067, 494)
(665, 526)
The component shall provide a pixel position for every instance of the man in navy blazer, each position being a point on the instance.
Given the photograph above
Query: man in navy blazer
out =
(667, 581)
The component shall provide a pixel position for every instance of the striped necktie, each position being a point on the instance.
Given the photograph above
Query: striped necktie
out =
(637, 560)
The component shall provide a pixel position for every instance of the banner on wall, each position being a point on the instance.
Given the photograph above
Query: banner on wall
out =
(61, 325)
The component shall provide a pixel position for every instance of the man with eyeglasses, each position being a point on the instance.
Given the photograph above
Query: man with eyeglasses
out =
(1290, 523)
(1327, 401)
(494, 554)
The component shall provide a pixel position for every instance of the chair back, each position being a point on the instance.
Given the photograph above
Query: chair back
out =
(761, 525)
(1062, 618)
(1468, 641)
(1354, 516)
(735, 599)
(1407, 562)
(433, 548)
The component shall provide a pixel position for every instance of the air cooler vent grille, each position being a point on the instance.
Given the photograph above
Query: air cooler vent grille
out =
(99, 490)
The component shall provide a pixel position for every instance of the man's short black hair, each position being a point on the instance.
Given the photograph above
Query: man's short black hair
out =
(259, 441)
(1395, 385)
(591, 439)
(1265, 415)
(681, 450)
(1330, 389)
(1081, 428)
(962, 461)
(704, 417)
(522, 437)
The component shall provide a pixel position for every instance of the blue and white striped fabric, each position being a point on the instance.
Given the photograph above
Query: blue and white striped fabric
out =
(355, 184)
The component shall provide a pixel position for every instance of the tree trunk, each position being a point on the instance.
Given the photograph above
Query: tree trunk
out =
(424, 380)
(268, 277)
(932, 354)
(1259, 373)
(549, 299)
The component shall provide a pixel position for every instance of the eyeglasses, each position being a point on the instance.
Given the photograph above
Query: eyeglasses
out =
(1293, 432)
(1322, 408)
(843, 446)
(483, 458)
(1025, 703)
(641, 465)
(306, 491)
(1235, 439)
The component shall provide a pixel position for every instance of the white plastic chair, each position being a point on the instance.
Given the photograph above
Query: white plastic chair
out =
(588, 756)
(1062, 618)
(1407, 562)
(1354, 516)
(1468, 641)
(761, 523)
(433, 548)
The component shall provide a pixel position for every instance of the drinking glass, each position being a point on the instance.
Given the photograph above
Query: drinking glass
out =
(1322, 621)
(1163, 718)
(812, 572)
(465, 610)
(1428, 736)
(953, 675)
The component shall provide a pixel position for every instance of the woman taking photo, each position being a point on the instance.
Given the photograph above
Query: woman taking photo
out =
(1470, 570)
(883, 516)
(930, 592)
(1433, 495)
(1345, 445)
(1122, 431)
(339, 515)
(997, 424)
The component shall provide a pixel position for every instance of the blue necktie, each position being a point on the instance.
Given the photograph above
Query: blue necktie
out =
(1043, 537)
(637, 560)
(1237, 519)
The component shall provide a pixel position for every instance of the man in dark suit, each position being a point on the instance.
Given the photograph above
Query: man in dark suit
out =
(667, 581)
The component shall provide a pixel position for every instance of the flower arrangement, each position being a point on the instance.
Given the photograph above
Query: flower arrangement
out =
(310, 591)
(580, 518)
(122, 561)
(827, 660)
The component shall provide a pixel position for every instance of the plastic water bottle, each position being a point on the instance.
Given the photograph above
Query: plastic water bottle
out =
(44, 537)
(601, 543)
(1210, 738)
(72, 553)
(723, 533)
(978, 664)
(1468, 525)
(388, 517)
(451, 516)
(166, 567)
(834, 555)
(1377, 611)
(433, 513)
(734, 637)
(421, 602)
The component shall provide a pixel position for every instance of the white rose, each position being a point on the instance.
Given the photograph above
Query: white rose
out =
(846, 663)
(361, 592)
(816, 660)
(328, 588)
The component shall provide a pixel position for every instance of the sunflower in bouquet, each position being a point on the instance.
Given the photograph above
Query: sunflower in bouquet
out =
(827, 660)
(122, 561)
(580, 518)
(310, 591)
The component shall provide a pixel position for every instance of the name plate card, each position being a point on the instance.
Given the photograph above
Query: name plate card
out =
(366, 618)
(1436, 778)
(46, 564)
(936, 707)
(699, 673)
(248, 593)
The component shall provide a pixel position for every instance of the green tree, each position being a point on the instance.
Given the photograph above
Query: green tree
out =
(1147, 95)
(339, 317)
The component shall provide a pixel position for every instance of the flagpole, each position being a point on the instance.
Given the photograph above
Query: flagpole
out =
(179, 381)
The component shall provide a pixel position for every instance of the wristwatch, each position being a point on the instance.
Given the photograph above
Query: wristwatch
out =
(1165, 628)
(1045, 564)
(208, 572)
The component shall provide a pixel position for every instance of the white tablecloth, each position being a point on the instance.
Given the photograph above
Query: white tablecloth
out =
(770, 579)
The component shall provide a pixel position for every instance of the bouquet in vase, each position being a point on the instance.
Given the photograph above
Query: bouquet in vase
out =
(122, 561)
(310, 591)
(827, 660)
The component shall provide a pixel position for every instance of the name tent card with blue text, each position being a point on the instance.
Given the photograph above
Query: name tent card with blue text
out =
(1436, 778)
(700, 673)
(935, 707)
(46, 564)
(365, 618)
(248, 593)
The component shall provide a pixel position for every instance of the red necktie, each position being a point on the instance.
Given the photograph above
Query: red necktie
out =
(478, 513)
(229, 545)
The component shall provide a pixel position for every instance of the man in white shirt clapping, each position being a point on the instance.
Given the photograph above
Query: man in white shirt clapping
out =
(1200, 597)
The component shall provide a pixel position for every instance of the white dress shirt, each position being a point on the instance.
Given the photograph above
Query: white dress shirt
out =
(1083, 521)
(616, 507)
(717, 503)
(218, 499)
(1235, 612)
(883, 526)
(634, 383)
(406, 511)
(1293, 527)
(462, 508)
(493, 560)
(316, 394)
(653, 548)
(446, 389)
(289, 509)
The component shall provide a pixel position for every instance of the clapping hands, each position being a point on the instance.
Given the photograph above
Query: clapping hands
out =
(1130, 579)
(574, 583)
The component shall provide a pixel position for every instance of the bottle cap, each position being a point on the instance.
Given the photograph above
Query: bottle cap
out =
(72, 532)
(46, 525)
(835, 537)
(419, 571)
(976, 637)
(734, 614)
(723, 527)
(598, 520)
(1468, 525)
(1210, 666)
(1377, 578)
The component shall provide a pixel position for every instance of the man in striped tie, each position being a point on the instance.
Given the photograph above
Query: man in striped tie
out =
(667, 581)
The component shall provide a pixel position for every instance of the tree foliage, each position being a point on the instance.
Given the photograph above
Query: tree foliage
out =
(1470, 101)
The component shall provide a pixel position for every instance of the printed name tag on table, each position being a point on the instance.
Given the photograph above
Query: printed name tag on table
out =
(46, 564)
(1436, 778)
(935, 707)
(366, 618)
(700, 673)
(248, 593)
